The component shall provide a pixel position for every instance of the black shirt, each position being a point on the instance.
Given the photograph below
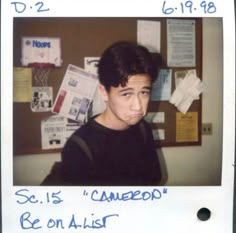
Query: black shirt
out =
(120, 157)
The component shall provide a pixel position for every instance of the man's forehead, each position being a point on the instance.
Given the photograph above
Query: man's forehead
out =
(138, 80)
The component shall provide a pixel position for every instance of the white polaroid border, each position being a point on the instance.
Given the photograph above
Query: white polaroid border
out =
(136, 209)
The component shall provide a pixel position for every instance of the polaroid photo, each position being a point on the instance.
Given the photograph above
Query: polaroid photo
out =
(197, 190)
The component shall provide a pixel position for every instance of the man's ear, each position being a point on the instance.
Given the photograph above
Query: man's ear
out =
(103, 92)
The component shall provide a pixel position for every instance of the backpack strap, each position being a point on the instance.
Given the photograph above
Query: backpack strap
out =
(83, 145)
(143, 131)
(54, 178)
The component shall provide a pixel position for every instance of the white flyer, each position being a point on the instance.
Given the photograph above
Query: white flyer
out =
(181, 43)
(155, 117)
(75, 94)
(158, 134)
(55, 131)
(181, 74)
(161, 88)
(42, 99)
(91, 64)
(186, 92)
(149, 35)
(98, 105)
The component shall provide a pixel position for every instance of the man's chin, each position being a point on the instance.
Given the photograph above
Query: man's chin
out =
(134, 120)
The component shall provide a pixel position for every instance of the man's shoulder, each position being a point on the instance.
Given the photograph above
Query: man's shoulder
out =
(144, 128)
(143, 123)
(82, 130)
(79, 142)
(85, 129)
(89, 132)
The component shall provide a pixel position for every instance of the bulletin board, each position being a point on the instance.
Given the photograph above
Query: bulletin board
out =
(88, 37)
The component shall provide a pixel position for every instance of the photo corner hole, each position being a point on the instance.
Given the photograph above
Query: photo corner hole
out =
(204, 214)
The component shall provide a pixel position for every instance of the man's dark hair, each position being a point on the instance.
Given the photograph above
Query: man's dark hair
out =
(123, 59)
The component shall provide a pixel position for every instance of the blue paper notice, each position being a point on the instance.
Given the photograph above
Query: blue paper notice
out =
(161, 89)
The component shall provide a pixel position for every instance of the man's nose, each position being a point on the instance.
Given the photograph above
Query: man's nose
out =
(136, 104)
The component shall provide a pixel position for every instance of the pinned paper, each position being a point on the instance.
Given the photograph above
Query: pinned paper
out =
(187, 127)
(55, 131)
(75, 94)
(42, 99)
(187, 90)
(149, 35)
(158, 134)
(155, 117)
(181, 44)
(180, 75)
(98, 104)
(22, 84)
(91, 64)
(161, 88)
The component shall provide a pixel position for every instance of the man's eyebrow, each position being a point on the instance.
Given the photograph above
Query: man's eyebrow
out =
(131, 89)
(147, 87)
(126, 89)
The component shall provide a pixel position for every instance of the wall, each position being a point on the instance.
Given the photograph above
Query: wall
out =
(196, 165)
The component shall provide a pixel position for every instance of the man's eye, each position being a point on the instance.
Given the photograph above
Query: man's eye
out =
(126, 94)
(145, 92)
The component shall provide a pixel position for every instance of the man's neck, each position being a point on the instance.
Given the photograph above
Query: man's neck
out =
(109, 121)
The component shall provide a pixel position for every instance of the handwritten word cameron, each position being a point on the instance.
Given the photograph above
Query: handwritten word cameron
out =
(133, 195)
(28, 222)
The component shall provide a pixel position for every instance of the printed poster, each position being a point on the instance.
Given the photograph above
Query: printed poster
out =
(22, 84)
(75, 94)
(55, 131)
(42, 99)
(187, 127)
(98, 105)
(181, 43)
(161, 88)
(149, 35)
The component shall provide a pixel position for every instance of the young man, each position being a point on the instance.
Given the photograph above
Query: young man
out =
(120, 143)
